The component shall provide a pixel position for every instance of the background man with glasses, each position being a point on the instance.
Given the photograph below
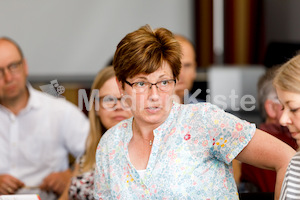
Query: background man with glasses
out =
(188, 70)
(37, 131)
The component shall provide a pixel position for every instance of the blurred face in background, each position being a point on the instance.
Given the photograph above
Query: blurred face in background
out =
(291, 112)
(13, 73)
(273, 110)
(187, 74)
(277, 107)
(111, 111)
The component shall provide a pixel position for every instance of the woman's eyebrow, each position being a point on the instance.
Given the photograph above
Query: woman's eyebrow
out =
(144, 77)
(289, 101)
(163, 75)
(141, 77)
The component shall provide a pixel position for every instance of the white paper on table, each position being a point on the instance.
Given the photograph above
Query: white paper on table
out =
(20, 197)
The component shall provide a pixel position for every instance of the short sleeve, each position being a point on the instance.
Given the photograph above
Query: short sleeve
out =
(228, 134)
(291, 182)
(75, 134)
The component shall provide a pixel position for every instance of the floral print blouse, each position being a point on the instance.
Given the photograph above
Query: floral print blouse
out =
(82, 185)
(190, 157)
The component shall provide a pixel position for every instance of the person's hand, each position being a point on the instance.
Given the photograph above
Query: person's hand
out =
(9, 184)
(56, 181)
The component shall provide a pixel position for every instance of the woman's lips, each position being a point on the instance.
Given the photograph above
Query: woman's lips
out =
(295, 134)
(153, 109)
(119, 118)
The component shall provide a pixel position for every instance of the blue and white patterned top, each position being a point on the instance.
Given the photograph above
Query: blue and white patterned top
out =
(190, 157)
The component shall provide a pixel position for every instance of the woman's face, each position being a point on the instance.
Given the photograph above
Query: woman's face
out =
(152, 106)
(291, 112)
(111, 116)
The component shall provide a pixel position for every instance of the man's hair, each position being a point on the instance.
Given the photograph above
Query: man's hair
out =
(14, 43)
(144, 51)
(181, 38)
(266, 89)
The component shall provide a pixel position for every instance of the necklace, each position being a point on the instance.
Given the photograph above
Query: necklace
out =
(150, 141)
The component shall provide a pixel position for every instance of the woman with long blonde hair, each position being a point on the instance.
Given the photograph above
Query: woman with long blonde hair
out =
(110, 113)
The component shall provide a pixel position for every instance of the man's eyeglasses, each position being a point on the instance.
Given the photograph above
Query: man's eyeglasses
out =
(13, 68)
(163, 86)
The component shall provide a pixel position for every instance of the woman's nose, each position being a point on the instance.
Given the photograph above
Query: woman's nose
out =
(153, 93)
(119, 104)
(284, 119)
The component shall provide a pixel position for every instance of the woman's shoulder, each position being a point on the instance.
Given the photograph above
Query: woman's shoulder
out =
(296, 159)
(294, 166)
(117, 132)
(201, 107)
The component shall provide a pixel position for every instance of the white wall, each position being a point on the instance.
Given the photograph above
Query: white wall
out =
(75, 37)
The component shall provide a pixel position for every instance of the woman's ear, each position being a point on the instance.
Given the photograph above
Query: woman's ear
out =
(269, 107)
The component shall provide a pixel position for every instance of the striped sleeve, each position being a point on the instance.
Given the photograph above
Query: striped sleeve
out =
(291, 185)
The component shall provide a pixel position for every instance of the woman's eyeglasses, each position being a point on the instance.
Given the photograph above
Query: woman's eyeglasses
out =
(163, 86)
(109, 101)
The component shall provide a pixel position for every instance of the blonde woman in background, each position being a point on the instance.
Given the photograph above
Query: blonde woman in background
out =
(287, 84)
(110, 113)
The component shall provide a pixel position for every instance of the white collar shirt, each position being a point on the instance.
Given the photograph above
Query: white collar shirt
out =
(38, 140)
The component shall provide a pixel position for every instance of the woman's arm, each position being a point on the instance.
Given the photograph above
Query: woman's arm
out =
(268, 152)
(65, 194)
